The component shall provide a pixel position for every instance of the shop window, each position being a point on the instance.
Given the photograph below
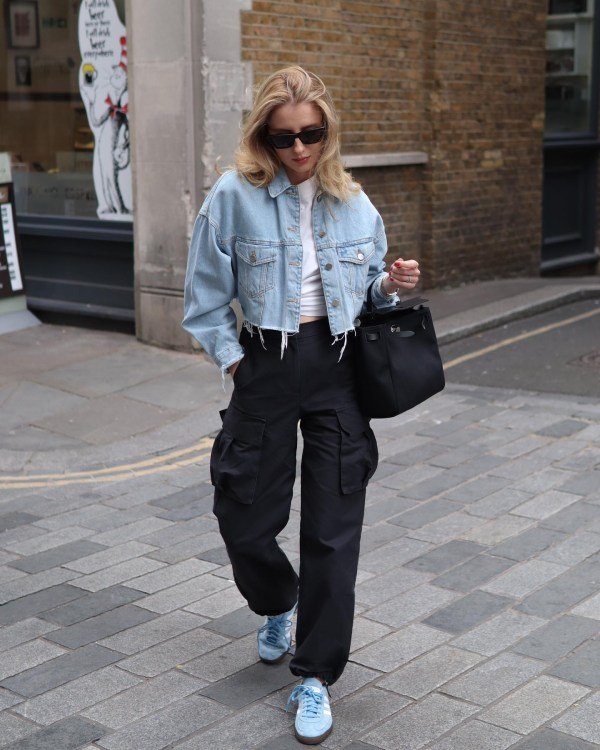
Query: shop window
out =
(53, 107)
(569, 48)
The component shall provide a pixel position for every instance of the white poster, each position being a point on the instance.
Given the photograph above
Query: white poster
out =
(103, 87)
(7, 232)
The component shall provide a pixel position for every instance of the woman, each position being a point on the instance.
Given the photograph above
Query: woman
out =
(290, 235)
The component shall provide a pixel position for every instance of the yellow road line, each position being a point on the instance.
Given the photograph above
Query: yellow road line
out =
(167, 462)
(162, 459)
(520, 337)
(66, 479)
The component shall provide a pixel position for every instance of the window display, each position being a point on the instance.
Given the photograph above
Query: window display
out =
(11, 282)
(569, 46)
(63, 107)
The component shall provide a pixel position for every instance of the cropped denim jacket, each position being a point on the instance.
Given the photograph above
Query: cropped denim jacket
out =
(246, 244)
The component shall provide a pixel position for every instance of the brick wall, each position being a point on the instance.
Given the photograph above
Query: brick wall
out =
(485, 84)
(396, 192)
(369, 56)
(463, 81)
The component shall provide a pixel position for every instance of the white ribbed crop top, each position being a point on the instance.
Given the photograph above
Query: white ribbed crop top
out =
(312, 300)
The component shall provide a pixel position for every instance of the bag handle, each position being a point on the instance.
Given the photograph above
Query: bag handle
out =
(400, 305)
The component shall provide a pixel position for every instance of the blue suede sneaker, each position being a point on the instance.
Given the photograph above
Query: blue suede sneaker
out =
(313, 718)
(275, 637)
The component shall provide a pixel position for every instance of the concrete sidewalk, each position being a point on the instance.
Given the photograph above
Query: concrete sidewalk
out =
(80, 399)
(477, 611)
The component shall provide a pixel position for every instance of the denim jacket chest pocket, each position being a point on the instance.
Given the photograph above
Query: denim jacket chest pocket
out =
(255, 267)
(354, 260)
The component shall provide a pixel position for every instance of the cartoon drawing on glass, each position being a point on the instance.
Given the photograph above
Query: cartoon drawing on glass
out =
(103, 87)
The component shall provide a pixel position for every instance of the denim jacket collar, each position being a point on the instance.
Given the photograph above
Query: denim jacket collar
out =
(279, 183)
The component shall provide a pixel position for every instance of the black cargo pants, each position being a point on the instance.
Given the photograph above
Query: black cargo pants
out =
(253, 467)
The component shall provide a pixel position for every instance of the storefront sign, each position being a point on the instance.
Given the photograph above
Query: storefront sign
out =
(103, 87)
(54, 23)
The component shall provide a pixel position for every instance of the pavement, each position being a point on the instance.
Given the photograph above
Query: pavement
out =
(478, 611)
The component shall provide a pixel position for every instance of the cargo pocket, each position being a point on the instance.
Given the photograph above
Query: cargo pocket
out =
(236, 453)
(359, 455)
(243, 373)
(215, 451)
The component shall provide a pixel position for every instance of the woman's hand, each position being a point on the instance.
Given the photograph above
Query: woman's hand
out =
(404, 274)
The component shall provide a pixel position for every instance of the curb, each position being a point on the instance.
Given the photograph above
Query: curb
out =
(449, 331)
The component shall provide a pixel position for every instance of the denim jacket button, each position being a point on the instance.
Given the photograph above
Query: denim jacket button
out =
(253, 257)
(335, 302)
(328, 266)
(322, 233)
(360, 256)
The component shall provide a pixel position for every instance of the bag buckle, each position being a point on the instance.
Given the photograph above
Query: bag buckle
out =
(395, 328)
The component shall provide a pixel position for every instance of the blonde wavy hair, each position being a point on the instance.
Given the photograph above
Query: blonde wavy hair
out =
(256, 159)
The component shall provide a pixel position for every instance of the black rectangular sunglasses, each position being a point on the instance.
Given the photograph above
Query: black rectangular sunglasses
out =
(286, 140)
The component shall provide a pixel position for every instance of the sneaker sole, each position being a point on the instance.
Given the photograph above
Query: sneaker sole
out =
(273, 661)
(313, 740)
(282, 657)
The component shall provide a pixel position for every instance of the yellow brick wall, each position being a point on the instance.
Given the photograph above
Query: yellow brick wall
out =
(485, 111)
(459, 79)
(368, 54)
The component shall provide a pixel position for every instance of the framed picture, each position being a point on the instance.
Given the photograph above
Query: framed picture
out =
(22, 70)
(22, 26)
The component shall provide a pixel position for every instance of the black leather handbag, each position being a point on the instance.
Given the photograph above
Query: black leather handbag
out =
(397, 358)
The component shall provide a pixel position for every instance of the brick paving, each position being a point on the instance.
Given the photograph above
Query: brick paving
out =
(477, 610)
